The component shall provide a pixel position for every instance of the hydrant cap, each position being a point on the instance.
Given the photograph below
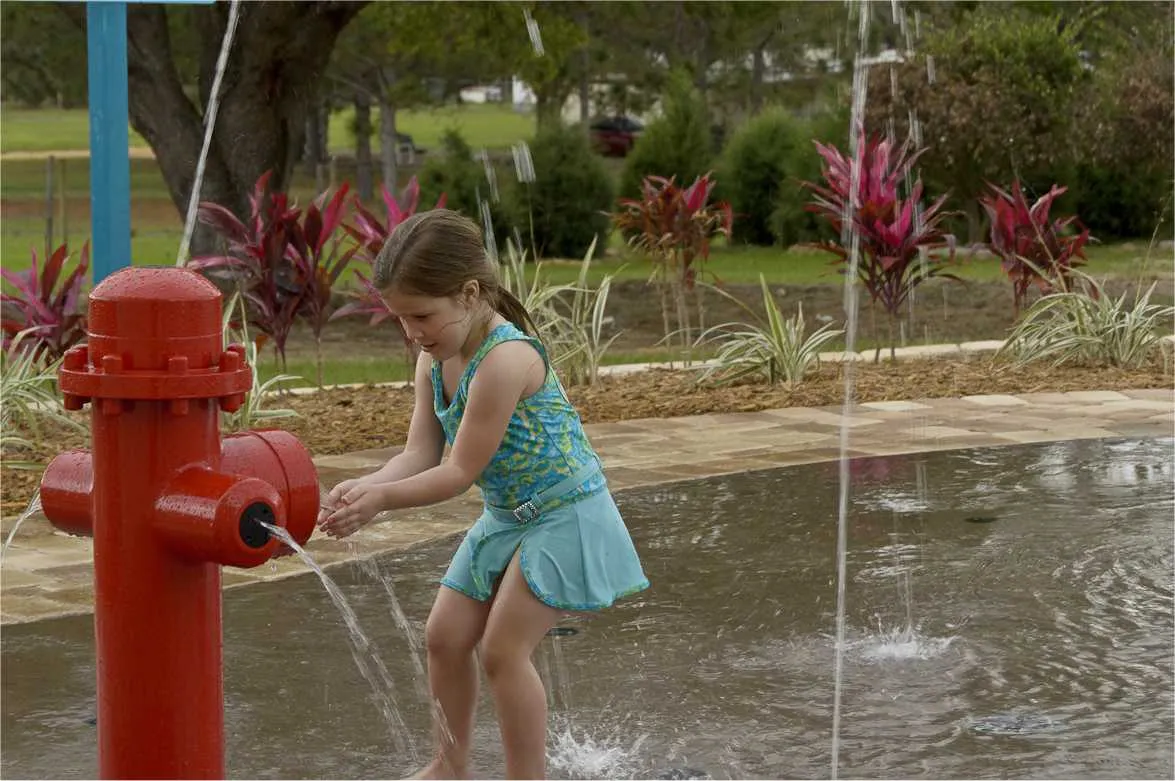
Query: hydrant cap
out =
(155, 333)
(155, 283)
(137, 306)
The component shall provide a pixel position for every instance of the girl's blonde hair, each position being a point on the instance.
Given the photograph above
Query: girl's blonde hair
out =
(435, 253)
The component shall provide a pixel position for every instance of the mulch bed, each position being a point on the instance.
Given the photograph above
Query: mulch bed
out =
(345, 420)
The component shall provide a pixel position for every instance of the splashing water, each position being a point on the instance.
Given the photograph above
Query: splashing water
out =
(365, 656)
(901, 644)
(210, 112)
(372, 569)
(487, 220)
(590, 757)
(33, 508)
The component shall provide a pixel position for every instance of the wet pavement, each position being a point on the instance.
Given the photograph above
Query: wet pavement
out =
(46, 574)
(1008, 614)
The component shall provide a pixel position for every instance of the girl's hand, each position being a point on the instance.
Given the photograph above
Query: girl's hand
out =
(331, 502)
(356, 509)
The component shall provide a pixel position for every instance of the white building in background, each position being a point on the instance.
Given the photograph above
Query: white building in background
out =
(522, 97)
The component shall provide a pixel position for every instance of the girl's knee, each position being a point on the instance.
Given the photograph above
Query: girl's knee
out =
(499, 655)
(446, 638)
(455, 624)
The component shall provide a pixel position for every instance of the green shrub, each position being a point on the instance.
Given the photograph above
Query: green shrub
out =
(760, 176)
(1001, 104)
(568, 201)
(791, 222)
(677, 143)
(1126, 133)
(461, 177)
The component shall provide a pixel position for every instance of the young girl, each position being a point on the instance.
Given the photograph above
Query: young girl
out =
(550, 539)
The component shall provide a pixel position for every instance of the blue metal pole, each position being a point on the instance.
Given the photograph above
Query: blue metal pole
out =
(110, 166)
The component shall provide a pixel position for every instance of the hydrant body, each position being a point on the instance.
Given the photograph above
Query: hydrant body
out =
(167, 506)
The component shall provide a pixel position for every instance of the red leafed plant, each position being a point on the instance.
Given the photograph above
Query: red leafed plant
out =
(259, 259)
(370, 235)
(319, 260)
(50, 311)
(1033, 251)
(894, 234)
(674, 226)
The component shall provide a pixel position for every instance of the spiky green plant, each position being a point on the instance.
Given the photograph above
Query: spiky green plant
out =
(253, 411)
(1085, 326)
(776, 347)
(584, 334)
(28, 399)
(570, 317)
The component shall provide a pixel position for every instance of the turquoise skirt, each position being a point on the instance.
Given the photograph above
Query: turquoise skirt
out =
(575, 556)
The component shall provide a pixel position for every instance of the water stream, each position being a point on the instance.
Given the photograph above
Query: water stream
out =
(851, 239)
(362, 651)
(34, 507)
(226, 45)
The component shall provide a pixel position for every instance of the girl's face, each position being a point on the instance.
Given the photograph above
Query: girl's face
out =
(439, 326)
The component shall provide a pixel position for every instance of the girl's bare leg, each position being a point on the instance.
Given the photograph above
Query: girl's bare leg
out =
(455, 626)
(518, 621)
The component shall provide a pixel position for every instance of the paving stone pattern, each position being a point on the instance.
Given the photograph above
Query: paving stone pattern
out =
(46, 573)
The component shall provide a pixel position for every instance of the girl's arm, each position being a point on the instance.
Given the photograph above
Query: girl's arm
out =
(426, 439)
(423, 450)
(509, 372)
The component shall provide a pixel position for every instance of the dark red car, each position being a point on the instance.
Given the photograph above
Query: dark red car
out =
(615, 136)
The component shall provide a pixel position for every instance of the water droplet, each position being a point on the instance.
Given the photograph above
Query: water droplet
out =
(536, 35)
(523, 164)
(491, 174)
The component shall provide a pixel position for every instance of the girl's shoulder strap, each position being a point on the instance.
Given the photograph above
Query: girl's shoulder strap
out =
(506, 332)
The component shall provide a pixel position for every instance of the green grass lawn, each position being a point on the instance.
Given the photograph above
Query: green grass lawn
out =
(493, 126)
(743, 265)
(157, 224)
(42, 130)
(383, 369)
(731, 265)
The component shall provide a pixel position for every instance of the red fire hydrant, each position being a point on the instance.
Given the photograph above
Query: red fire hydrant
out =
(167, 504)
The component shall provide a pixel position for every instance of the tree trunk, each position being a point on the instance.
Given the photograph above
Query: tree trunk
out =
(758, 68)
(364, 179)
(974, 221)
(548, 103)
(279, 49)
(387, 142)
(322, 109)
(683, 320)
(314, 149)
(585, 91)
(318, 358)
